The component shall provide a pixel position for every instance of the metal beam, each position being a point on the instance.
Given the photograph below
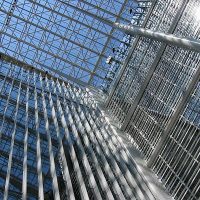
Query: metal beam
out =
(31, 131)
(106, 44)
(71, 78)
(125, 63)
(64, 38)
(26, 66)
(72, 19)
(152, 69)
(190, 44)
(91, 14)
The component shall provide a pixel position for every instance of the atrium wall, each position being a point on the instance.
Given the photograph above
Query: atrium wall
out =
(155, 98)
(56, 144)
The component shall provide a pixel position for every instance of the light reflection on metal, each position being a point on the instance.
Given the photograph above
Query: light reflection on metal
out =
(155, 99)
(170, 39)
(54, 141)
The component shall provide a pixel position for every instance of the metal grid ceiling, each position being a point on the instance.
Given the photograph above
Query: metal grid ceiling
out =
(63, 37)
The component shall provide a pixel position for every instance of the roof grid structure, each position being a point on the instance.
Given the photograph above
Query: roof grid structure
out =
(62, 36)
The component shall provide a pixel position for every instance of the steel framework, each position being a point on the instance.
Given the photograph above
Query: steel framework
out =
(63, 37)
(55, 143)
(155, 98)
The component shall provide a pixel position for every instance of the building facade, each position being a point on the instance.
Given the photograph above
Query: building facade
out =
(77, 77)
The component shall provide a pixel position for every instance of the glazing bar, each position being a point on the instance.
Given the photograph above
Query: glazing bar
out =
(38, 148)
(6, 190)
(50, 147)
(67, 179)
(85, 161)
(116, 165)
(82, 124)
(77, 170)
(123, 68)
(108, 170)
(107, 136)
(24, 180)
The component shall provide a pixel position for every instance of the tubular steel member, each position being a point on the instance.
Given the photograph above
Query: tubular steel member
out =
(186, 43)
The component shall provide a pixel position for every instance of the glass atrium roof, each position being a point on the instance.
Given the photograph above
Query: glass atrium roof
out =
(62, 37)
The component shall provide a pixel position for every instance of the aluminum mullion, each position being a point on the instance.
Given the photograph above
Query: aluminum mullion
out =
(100, 174)
(86, 164)
(7, 103)
(104, 150)
(142, 89)
(31, 131)
(184, 160)
(142, 190)
(5, 77)
(125, 63)
(108, 169)
(133, 81)
(81, 124)
(126, 155)
(91, 14)
(152, 69)
(174, 118)
(6, 190)
(107, 42)
(124, 178)
(166, 154)
(77, 170)
(127, 160)
(24, 180)
(39, 160)
(67, 179)
(95, 127)
(5, 154)
(197, 186)
(179, 158)
(119, 157)
(50, 147)
(51, 54)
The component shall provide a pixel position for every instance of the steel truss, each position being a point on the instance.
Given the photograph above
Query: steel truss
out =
(155, 98)
(63, 36)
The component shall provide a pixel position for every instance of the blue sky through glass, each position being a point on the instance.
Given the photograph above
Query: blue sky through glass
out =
(61, 35)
